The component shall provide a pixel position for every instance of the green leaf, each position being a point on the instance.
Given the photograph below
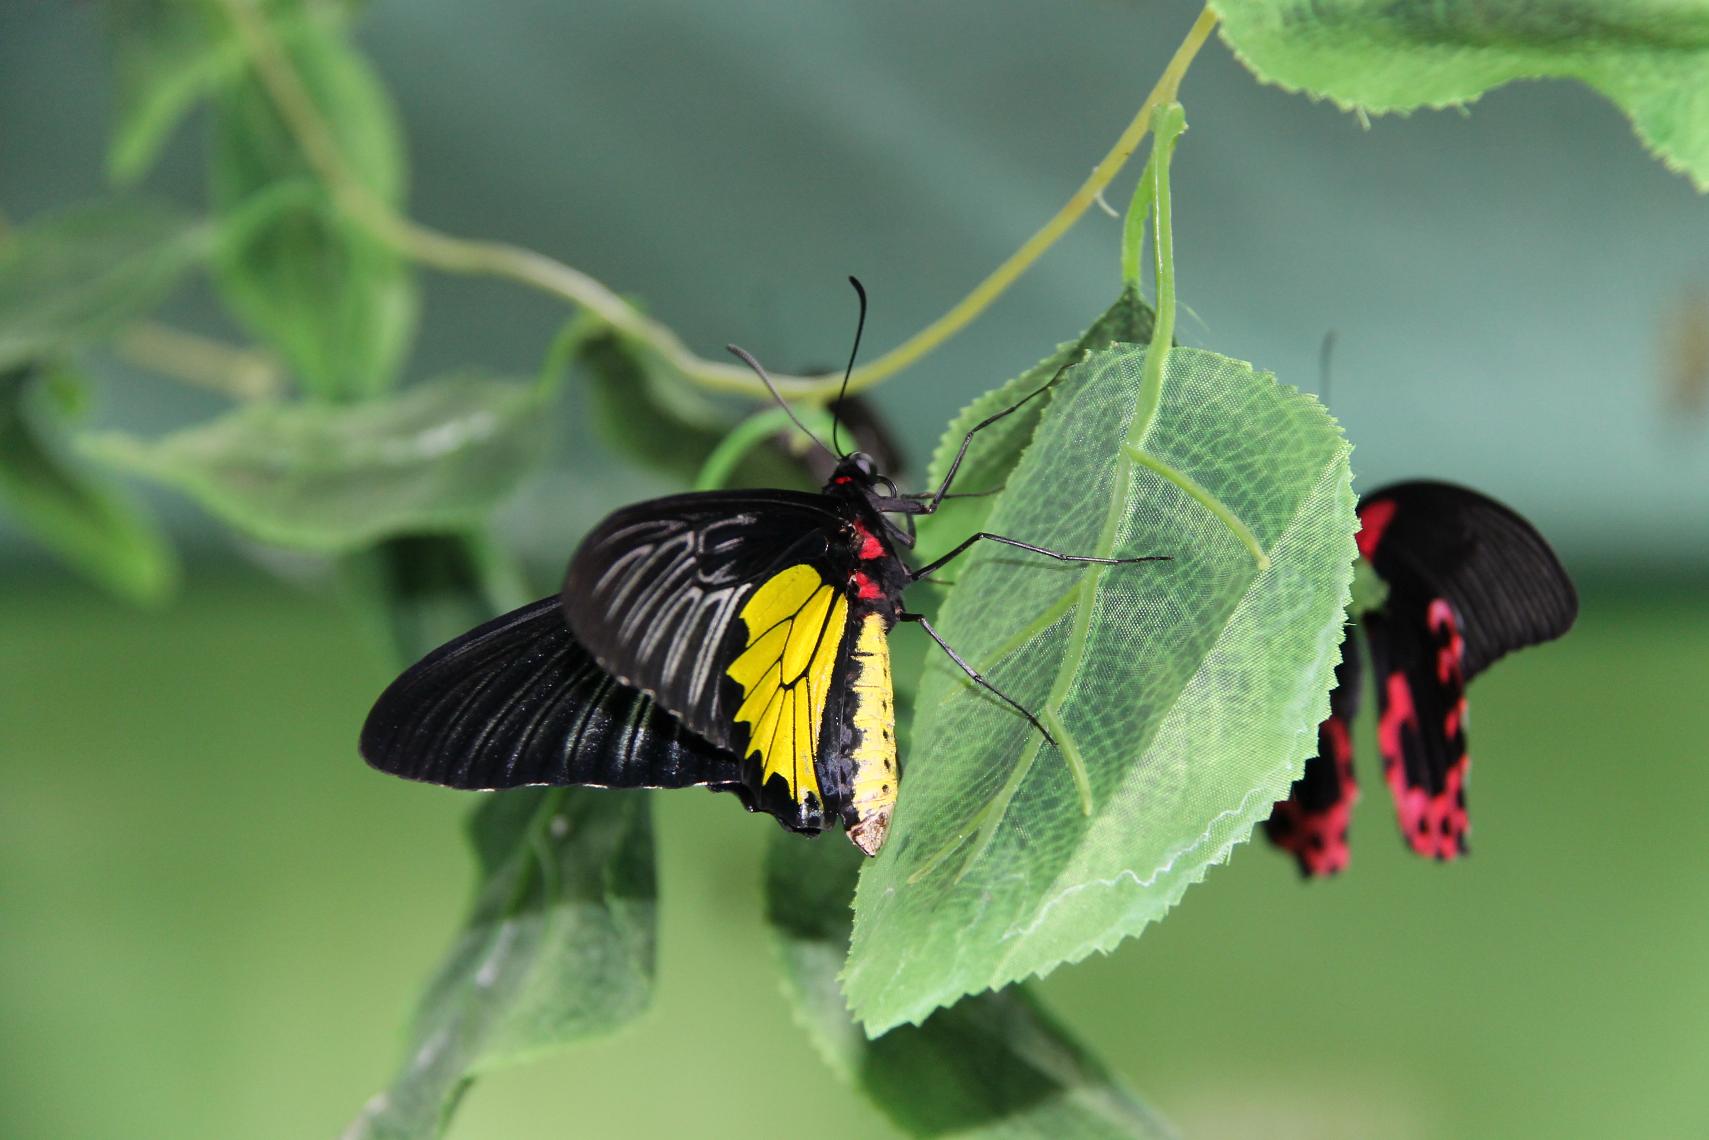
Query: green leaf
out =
(646, 410)
(993, 1066)
(558, 946)
(1184, 695)
(642, 409)
(437, 456)
(75, 276)
(1651, 58)
(1369, 591)
(995, 450)
(336, 302)
(421, 590)
(86, 520)
(168, 56)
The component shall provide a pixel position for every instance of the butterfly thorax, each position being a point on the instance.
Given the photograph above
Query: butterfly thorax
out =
(878, 576)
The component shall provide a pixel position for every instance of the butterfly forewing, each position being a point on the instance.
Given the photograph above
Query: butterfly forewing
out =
(656, 592)
(1436, 540)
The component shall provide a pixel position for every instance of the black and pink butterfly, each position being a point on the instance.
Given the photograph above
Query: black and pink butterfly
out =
(1468, 582)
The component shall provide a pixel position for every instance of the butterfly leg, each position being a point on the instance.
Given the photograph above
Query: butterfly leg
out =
(936, 497)
(974, 675)
(918, 495)
(939, 563)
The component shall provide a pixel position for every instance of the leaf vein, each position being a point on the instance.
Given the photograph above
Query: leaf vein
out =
(1199, 494)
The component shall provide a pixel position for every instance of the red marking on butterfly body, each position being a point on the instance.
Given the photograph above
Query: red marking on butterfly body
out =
(870, 547)
(865, 587)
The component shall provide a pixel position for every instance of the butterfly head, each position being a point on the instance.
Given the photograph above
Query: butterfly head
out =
(857, 473)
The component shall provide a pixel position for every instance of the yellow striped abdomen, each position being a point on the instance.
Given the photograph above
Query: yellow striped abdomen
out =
(875, 772)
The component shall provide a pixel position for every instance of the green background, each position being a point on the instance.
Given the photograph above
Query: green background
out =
(216, 918)
(213, 918)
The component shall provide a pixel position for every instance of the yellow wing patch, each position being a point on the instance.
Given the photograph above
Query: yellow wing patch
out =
(795, 627)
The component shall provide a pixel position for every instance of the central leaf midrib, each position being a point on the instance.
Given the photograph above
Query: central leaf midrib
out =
(1174, 700)
(1140, 423)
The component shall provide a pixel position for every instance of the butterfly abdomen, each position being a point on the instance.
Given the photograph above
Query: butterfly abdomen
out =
(872, 743)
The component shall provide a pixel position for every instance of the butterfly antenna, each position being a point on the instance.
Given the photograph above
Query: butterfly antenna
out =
(747, 358)
(860, 327)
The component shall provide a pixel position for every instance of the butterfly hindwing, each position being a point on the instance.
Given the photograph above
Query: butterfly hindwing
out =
(517, 701)
(1311, 824)
(790, 641)
(1417, 654)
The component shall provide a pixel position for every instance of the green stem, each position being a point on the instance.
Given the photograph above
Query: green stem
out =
(1167, 127)
(1166, 130)
(743, 438)
(1070, 749)
(461, 255)
(239, 373)
(1045, 618)
(1134, 226)
(1369, 591)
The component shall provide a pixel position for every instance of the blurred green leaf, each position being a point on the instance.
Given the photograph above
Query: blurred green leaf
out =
(336, 302)
(422, 590)
(1369, 591)
(1652, 59)
(558, 946)
(1184, 695)
(995, 450)
(168, 55)
(646, 410)
(435, 457)
(996, 1065)
(77, 275)
(640, 408)
(87, 520)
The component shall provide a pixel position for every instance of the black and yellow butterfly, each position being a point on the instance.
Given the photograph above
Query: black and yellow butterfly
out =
(736, 639)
